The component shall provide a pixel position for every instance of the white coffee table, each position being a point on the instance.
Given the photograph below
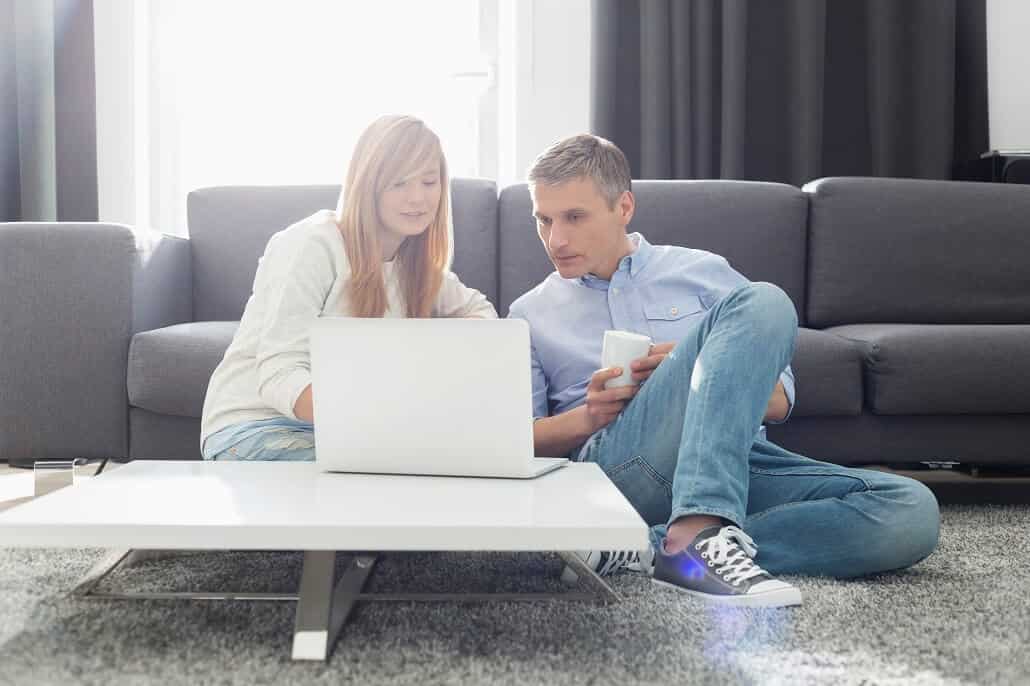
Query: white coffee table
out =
(191, 505)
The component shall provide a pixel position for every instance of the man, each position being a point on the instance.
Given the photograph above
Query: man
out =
(728, 508)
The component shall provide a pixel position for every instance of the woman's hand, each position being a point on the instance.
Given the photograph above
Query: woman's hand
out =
(303, 408)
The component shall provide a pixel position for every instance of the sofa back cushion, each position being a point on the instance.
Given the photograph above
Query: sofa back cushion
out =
(918, 252)
(758, 227)
(230, 225)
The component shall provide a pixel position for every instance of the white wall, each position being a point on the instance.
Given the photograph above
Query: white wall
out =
(1008, 63)
(137, 130)
(558, 103)
(543, 79)
(115, 55)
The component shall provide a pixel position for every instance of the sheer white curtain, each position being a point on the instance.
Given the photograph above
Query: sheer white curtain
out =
(195, 93)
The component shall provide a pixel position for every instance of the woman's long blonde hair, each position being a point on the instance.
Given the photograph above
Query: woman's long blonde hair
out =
(390, 149)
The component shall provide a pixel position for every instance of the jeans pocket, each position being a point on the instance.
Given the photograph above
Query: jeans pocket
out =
(647, 491)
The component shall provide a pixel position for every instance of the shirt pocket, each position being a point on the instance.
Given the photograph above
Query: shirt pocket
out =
(670, 320)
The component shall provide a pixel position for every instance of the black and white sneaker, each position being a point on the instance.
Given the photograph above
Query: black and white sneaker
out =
(608, 562)
(717, 567)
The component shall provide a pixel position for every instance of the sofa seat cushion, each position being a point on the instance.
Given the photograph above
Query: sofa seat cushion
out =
(169, 368)
(827, 374)
(920, 369)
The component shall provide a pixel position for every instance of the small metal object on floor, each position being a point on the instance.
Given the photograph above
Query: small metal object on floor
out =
(324, 604)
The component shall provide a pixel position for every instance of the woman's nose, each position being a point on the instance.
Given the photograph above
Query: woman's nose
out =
(416, 196)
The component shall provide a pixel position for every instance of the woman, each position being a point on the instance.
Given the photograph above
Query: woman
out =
(384, 252)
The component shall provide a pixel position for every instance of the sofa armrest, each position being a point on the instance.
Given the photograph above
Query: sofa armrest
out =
(162, 292)
(71, 295)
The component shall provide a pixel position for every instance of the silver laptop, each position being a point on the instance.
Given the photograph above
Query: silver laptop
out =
(447, 397)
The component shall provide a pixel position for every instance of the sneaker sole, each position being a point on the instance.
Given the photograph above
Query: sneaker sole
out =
(784, 597)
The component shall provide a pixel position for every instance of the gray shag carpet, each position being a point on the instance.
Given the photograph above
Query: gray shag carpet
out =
(959, 617)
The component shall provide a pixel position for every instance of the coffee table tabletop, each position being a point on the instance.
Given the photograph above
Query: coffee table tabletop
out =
(196, 505)
(295, 506)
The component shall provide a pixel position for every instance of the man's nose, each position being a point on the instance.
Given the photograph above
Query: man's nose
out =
(557, 239)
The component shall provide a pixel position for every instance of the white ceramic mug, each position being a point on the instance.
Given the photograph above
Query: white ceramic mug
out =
(619, 349)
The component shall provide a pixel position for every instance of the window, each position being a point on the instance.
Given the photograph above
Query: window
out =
(274, 93)
(194, 93)
(262, 92)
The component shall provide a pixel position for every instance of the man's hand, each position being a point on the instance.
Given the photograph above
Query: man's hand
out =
(604, 405)
(643, 367)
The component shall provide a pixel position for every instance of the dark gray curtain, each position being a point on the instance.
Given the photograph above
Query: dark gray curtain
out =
(68, 176)
(791, 90)
(75, 111)
(10, 182)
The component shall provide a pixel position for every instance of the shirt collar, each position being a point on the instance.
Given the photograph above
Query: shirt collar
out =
(639, 258)
(633, 262)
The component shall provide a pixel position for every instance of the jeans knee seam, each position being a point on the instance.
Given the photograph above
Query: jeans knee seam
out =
(655, 474)
(776, 508)
(767, 472)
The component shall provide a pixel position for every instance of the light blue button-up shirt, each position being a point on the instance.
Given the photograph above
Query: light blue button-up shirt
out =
(661, 291)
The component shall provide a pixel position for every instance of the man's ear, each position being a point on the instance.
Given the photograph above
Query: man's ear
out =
(627, 205)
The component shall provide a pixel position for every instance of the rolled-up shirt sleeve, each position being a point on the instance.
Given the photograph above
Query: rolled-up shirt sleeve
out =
(298, 291)
(787, 377)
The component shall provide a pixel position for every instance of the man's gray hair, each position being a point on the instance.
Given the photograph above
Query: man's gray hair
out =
(581, 156)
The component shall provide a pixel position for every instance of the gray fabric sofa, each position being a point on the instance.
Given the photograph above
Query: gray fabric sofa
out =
(913, 299)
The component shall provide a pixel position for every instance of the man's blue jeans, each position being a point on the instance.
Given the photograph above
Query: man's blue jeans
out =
(688, 444)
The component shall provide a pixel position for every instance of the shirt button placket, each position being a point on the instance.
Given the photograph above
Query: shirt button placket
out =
(615, 307)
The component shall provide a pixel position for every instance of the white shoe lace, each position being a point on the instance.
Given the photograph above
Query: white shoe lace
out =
(730, 552)
(614, 560)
